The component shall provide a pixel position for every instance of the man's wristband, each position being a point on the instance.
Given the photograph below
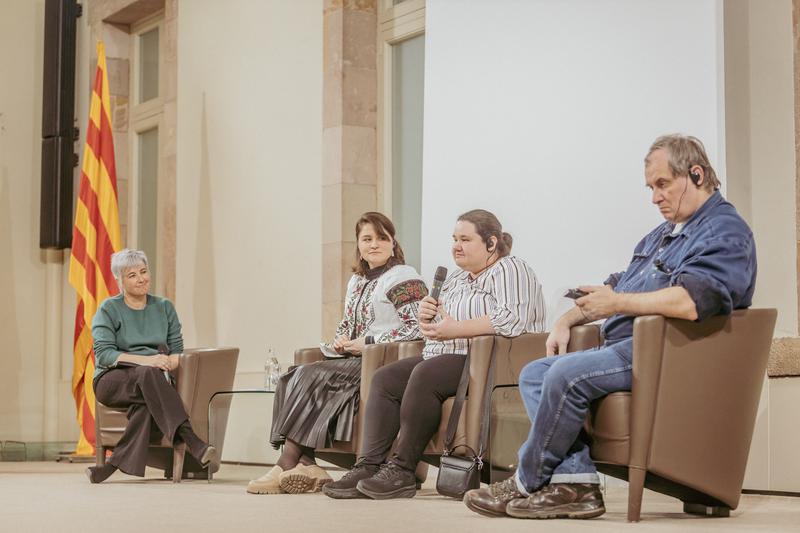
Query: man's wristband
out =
(369, 339)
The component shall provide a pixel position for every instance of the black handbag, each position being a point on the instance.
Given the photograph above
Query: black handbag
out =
(457, 473)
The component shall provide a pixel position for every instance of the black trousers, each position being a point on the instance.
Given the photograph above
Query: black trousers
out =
(154, 410)
(405, 401)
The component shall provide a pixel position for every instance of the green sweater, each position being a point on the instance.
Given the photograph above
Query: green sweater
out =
(117, 329)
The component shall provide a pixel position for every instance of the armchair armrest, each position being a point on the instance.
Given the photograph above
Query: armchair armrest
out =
(303, 356)
(584, 338)
(201, 373)
(511, 354)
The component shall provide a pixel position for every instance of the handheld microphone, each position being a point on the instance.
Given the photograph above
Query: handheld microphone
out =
(163, 349)
(438, 280)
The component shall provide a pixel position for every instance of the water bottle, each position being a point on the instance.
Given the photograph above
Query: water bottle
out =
(272, 371)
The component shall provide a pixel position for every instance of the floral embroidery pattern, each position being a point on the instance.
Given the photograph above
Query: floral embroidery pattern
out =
(357, 310)
(368, 301)
(406, 292)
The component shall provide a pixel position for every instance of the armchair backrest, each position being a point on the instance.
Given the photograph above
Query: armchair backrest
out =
(696, 390)
(511, 354)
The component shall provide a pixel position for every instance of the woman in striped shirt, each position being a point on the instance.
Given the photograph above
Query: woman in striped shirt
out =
(491, 293)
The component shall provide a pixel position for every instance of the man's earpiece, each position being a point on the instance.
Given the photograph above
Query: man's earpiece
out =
(490, 246)
(695, 177)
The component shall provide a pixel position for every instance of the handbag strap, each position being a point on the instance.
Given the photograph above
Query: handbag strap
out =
(458, 404)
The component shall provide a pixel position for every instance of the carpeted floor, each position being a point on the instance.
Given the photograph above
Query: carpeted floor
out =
(57, 497)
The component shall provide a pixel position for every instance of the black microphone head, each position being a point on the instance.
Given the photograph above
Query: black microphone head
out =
(441, 274)
(163, 349)
(438, 280)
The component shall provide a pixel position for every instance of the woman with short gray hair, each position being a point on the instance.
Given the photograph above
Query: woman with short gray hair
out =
(137, 342)
(125, 259)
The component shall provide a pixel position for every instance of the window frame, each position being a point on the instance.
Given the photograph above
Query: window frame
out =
(395, 24)
(143, 117)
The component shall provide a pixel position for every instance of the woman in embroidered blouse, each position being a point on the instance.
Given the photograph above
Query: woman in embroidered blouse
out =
(491, 293)
(315, 403)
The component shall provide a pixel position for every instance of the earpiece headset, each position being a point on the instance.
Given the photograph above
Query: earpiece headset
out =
(695, 177)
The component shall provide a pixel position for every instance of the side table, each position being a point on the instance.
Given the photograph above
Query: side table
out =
(215, 408)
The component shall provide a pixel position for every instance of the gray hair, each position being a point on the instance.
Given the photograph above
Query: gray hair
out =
(685, 152)
(125, 259)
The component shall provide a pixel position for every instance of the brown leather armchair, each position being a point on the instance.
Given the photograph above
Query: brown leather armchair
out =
(201, 373)
(344, 453)
(511, 354)
(685, 427)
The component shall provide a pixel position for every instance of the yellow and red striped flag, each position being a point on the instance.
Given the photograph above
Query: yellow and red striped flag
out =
(95, 237)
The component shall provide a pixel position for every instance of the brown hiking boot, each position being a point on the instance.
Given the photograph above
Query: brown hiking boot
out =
(492, 500)
(560, 500)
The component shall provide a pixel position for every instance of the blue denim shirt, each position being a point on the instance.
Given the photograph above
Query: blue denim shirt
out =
(713, 257)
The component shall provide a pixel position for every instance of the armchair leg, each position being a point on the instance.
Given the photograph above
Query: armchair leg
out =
(635, 491)
(706, 510)
(177, 461)
(100, 455)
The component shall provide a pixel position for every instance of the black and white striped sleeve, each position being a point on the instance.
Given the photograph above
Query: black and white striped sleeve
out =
(519, 306)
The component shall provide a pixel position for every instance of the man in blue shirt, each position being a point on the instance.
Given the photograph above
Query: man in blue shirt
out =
(699, 263)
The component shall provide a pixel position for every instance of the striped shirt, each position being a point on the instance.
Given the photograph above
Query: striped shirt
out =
(508, 292)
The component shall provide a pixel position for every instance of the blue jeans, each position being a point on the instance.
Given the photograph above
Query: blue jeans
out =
(557, 392)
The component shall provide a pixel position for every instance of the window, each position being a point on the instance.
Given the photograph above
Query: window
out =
(148, 65)
(147, 194)
(408, 74)
(146, 127)
(401, 66)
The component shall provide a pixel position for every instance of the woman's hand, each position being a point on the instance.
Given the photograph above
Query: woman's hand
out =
(428, 307)
(355, 346)
(174, 361)
(159, 361)
(338, 343)
(445, 329)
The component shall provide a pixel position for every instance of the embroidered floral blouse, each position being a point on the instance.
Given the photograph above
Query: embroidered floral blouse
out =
(383, 307)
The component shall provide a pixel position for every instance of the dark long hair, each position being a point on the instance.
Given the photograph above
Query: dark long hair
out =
(383, 226)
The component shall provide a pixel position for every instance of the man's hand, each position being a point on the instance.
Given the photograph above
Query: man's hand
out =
(355, 346)
(600, 302)
(428, 307)
(443, 330)
(338, 343)
(558, 339)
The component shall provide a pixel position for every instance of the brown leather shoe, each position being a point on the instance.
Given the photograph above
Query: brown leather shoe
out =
(560, 500)
(492, 500)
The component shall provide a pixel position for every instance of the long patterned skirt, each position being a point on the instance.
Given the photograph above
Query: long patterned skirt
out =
(315, 403)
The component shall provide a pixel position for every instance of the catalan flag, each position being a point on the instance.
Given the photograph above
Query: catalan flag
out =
(95, 237)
